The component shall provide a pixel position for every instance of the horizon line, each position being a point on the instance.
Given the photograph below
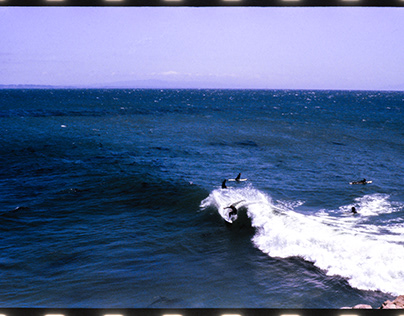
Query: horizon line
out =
(110, 87)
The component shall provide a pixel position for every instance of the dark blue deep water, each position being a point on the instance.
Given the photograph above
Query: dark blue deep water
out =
(112, 198)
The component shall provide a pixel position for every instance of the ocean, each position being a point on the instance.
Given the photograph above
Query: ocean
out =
(113, 198)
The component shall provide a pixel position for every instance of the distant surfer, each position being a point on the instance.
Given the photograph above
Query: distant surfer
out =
(237, 179)
(353, 210)
(224, 184)
(20, 208)
(364, 181)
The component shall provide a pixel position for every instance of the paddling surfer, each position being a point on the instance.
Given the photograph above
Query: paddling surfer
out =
(364, 181)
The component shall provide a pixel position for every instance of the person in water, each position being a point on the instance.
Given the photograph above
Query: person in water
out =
(353, 210)
(224, 184)
(364, 181)
(233, 210)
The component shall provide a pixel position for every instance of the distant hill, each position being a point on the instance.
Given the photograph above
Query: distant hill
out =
(161, 84)
(138, 84)
(26, 86)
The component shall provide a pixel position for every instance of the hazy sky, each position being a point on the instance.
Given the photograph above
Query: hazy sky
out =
(251, 47)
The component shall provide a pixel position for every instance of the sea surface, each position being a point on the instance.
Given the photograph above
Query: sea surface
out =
(113, 198)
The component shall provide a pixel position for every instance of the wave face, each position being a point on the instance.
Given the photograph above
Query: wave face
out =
(368, 256)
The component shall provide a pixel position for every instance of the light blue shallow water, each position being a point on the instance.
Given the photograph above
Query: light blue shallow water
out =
(112, 198)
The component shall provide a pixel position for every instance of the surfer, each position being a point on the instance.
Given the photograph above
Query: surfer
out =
(364, 181)
(353, 210)
(233, 210)
(237, 179)
(20, 208)
(224, 184)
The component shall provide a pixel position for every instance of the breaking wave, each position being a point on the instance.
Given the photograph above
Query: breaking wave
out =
(368, 256)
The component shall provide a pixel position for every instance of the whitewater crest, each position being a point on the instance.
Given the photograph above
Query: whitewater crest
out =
(344, 246)
(374, 204)
(248, 197)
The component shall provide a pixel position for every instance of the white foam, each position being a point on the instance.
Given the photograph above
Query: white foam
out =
(398, 229)
(374, 204)
(221, 199)
(340, 246)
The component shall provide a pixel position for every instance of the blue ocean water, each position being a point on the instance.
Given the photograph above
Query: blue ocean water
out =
(112, 198)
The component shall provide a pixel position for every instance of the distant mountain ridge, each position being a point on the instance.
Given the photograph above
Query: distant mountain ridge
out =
(147, 84)
(26, 86)
(135, 84)
(161, 84)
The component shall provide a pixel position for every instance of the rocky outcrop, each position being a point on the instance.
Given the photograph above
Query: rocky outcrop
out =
(398, 303)
(362, 306)
(359, 306)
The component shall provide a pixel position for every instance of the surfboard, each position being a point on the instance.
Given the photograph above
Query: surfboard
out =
(360, 182)
(231, 219)
(237, 179)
